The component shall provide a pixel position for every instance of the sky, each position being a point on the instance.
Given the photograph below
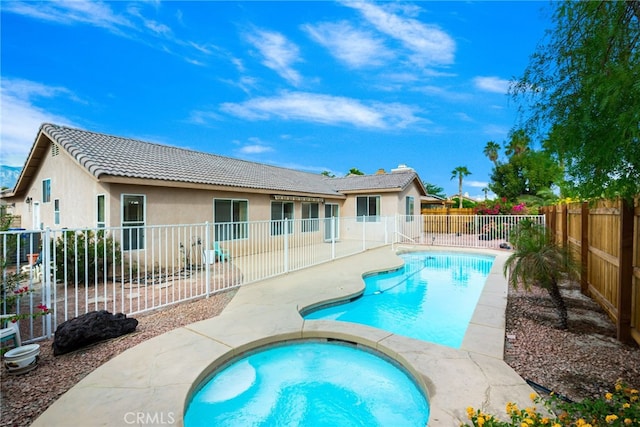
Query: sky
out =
(309, 85)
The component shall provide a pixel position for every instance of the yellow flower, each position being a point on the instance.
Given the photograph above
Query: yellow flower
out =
(628, 421)
(618, 386)
(580, 422)
(556, 425)
(633, 391)
(528, 421)
(608, 396)
(511, 407)
(544, 420)
(470, 412)
(626, 405)
(634, 398)
(480, 420)
(610, 418)
(533, 396)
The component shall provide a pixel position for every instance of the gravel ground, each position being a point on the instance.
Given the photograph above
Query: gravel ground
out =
(25, 397)
(584, 361)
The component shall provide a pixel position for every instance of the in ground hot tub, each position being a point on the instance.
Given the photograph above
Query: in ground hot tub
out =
(309, 383)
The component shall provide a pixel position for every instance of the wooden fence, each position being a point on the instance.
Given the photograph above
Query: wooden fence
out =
(447, 220)
(605, 239)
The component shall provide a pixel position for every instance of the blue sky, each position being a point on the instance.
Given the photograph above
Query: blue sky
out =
(312, 86)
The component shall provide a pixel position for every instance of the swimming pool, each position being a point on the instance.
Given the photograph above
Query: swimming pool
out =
(432, 298)
(309, 383)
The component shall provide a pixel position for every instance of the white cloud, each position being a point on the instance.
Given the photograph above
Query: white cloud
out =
(278, 53)
(429, 44)
(354, 47)
(492, 84)
(255, 149)
(21, 117)
(70, 12)
(464, 117)
(203, 117)
(496, 132)
(317, 108)
(255, 146)
(101, 15)
(476, 184)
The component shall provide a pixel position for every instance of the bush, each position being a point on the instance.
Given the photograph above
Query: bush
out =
(502, 207)
(83, 252)
(620, 408)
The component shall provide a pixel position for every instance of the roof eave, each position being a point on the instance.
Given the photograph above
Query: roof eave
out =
(38, 149)
(113, 179)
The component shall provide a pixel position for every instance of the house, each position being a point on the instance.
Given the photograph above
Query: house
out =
(76, 178)
(433, 201)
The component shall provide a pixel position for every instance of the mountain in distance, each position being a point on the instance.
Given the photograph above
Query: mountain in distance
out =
(9, 176)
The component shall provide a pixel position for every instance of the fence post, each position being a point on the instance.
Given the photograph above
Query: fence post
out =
(625, 272)
(552, 223)
(286, 244)
(364, 233)
(46, 278)
(205, 254)
(565, 224)
(584, 248)
(333, 237)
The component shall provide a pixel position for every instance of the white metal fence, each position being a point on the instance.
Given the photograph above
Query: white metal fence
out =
(138, 269)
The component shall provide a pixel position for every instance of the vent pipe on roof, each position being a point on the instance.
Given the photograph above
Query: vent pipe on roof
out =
(380, 172)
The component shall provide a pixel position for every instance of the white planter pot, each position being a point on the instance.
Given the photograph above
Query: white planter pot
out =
(22, 359)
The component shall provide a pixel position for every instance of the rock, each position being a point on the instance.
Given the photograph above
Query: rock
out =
(90, 328)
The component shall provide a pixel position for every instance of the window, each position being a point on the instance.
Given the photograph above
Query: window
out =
(368, 207)
(56, 211)
(310, 217)
(100, 211)
(133, 221)
(230, 218)
(46, 190)
(279, 212)
(409, 205)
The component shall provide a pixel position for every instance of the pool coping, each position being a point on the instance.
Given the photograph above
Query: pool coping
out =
(150, 384)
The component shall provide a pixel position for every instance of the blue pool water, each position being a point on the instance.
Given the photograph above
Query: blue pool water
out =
(309, 383)
(431, 299)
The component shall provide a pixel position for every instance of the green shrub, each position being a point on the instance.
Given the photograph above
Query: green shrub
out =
(85, 254)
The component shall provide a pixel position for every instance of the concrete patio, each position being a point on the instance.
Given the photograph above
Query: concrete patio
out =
(151, 383)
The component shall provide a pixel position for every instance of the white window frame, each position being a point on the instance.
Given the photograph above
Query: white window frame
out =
(46, 190)
(56, 211)
(231, 230)
(277, 223)
(368, 217)
(103, 223)
(409, 206)
(310, 223)
(133, 229)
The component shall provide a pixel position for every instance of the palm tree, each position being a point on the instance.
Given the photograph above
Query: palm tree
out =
(538, 261)
(518, 143)
(491, 151)
(460, 172)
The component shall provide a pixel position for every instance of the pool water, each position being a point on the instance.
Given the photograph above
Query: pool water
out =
(432, 298)
(309, 383)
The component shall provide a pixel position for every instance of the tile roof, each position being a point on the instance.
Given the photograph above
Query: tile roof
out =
(399, 180)
(110, 155)
(106, 155)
